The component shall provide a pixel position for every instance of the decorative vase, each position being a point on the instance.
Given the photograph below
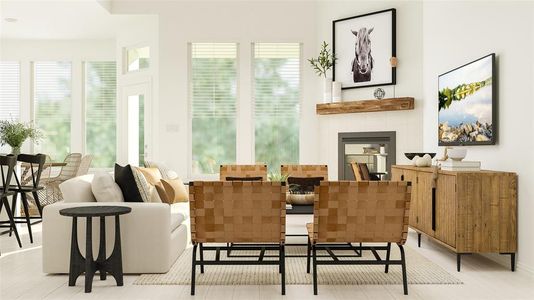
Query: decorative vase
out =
(15, 150)
(327, 90)
(336, 91)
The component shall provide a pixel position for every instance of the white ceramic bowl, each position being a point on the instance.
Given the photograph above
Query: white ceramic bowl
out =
(457, 153)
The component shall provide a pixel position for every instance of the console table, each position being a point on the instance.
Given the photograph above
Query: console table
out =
(78, 264)
(467, 212)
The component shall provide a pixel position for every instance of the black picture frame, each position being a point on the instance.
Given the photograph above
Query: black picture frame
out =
(494, 104)
(393, 77)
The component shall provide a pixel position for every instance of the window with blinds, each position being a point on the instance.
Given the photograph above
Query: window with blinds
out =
(101, 112)
(52, 93)
(276, 103)
(9, 90)
(213, 80)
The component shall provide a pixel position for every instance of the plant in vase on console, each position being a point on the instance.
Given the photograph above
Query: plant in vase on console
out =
(14, 134)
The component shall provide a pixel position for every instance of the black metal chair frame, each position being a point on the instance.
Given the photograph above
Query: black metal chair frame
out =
(8, 161)
(38, 160)
(330, 248)
(258, 247)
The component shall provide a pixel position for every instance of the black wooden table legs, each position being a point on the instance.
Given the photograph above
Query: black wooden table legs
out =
(80, 265)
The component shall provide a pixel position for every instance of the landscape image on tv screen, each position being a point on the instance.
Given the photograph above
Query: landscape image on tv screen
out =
(466, 98)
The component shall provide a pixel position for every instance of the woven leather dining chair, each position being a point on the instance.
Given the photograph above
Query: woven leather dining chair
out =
(251, 213)
(7, 167)
(359, 212)
(305, 171)
(234, 172)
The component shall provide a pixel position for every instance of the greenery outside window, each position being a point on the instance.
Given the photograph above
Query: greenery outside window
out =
(213, 80)
(101, 112)
(276, 103)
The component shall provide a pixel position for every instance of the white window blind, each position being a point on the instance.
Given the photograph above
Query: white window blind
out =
(52, 106)
(101, 112)
(213, 105)
(9, 90)
(276, 103)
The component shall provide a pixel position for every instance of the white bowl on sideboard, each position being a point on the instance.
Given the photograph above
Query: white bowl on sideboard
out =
(457, 153)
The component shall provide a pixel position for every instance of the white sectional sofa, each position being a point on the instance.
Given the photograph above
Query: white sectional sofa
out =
(153, 235)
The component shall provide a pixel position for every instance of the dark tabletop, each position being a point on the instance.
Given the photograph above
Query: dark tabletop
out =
(95, 211)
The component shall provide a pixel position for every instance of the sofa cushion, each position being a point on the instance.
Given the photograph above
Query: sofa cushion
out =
(124, 177)
(152, 175)
(78, 189)
(105, 189)
(166, 173)
(176, 220)
(175, 191)
(181, 208)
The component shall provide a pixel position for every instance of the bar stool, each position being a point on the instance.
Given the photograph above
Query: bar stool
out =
(7, 166)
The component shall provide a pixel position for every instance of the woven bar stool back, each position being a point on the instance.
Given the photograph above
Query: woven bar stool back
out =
(243, 171)
(367, 211)
(305, 171)
(237, 211)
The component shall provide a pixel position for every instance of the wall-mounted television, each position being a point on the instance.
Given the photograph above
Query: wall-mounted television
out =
(467, 107)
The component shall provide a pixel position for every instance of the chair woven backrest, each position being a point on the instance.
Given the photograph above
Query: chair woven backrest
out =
(356, 171)
(7, 165)
(36, 166)
(237, 211)
(367, 211)
(243, 171)
(73, 161)
(305, 171)
(85, 164)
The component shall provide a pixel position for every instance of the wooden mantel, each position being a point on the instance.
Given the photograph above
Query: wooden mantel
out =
(388, 104)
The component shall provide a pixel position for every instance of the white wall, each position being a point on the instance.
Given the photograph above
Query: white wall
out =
(242, 22)
(75, 51)
(458, 32)
(407, 124)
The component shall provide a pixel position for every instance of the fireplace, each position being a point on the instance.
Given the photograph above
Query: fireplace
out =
(376, 149)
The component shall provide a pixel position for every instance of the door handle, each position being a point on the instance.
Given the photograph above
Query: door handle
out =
(433, 209)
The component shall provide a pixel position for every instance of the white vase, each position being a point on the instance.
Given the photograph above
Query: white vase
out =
(327, 90)
(336, 91)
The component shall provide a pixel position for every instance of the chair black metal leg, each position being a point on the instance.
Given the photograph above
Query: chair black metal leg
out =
(283, 267)
(404, 276)
(12, 224)
(458, 261)
(27, 214)
(314, 251)
(193, 269)
(512, 261)
(13, 206)
(388, 252)
(38, 203)
(308, 257)
(418, 240)
(201, 258)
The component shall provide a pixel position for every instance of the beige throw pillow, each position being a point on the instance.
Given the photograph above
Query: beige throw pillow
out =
(175, 191)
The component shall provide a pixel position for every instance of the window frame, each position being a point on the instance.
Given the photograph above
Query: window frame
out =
(238, 58)
(253, 91)
(124, 59)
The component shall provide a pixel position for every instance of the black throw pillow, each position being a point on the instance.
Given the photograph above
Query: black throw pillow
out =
(300, 185)
(125, 179)
(244, 178)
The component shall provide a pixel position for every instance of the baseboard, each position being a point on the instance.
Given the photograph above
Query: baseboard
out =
(504, 260)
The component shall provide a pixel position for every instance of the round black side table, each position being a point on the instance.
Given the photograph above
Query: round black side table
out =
(78, 264)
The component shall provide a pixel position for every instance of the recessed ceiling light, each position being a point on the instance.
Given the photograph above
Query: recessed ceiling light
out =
(10, 20)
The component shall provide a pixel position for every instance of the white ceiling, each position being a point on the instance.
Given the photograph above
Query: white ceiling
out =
(80, 19)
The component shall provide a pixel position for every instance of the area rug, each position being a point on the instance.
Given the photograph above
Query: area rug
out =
(420, 271)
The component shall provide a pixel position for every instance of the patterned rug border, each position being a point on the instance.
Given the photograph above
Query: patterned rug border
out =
(421, 271)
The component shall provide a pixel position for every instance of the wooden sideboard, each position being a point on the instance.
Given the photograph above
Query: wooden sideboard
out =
(467, 212)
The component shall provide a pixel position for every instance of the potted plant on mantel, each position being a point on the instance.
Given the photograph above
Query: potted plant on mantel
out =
(324, 62)
(15, 133)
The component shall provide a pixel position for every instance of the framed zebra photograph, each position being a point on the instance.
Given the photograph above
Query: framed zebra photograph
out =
(364, 46)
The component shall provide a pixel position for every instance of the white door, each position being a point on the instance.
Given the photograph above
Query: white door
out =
(134, 132)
